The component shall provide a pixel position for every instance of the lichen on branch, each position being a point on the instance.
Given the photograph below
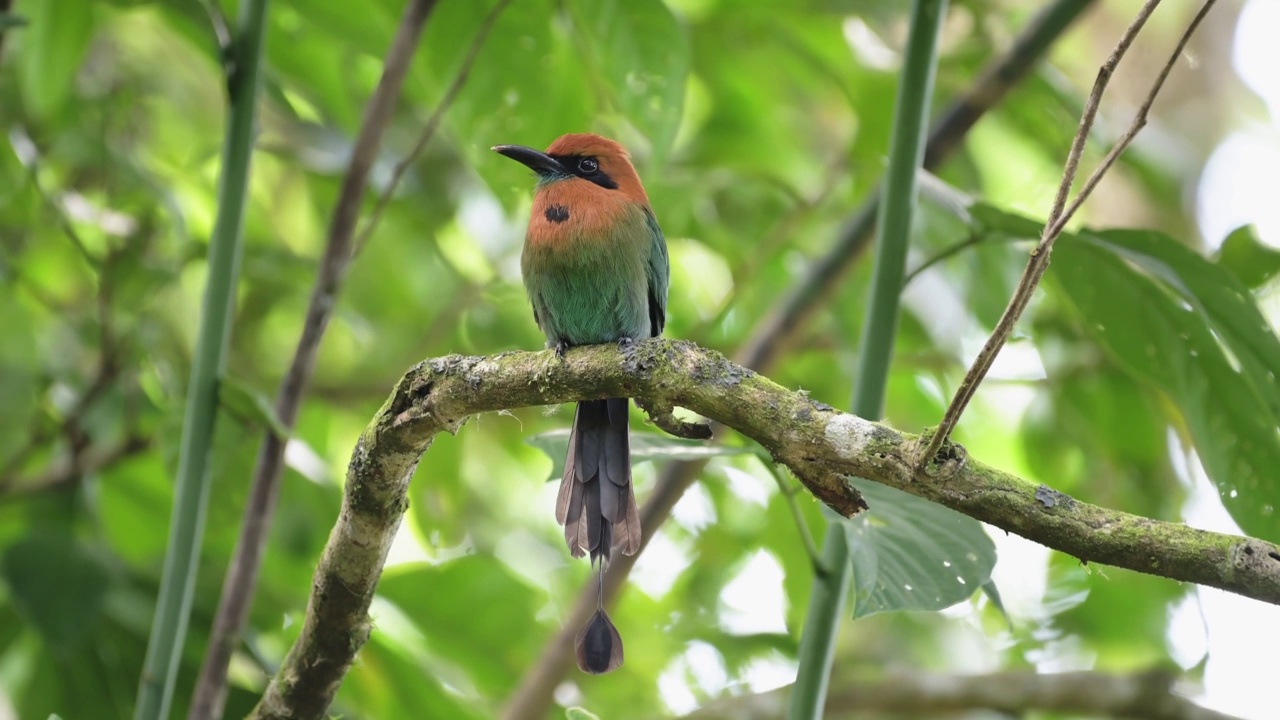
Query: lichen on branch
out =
(820, 445)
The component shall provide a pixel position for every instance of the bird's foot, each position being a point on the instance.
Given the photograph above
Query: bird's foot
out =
(626, 343)
(560, 347)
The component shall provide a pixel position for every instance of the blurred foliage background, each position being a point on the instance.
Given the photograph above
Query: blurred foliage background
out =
(758, 127)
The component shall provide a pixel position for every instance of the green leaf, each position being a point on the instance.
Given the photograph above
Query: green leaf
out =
(243, 401)
(1216, 295)
(20, 371)
(911, 554)
(1119, 613)
(1190, 328)
(439, 507)
(53, 48)
(391, 682)
(993, 594)
(1095, 425)
(577, 713)
(58, 585)
(1252, 262)
(89, 681)
(644, 446)
(528, 87)
(1004, 225)
(474, 611)
(643, 53)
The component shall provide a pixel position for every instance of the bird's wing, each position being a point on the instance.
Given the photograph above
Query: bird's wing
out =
(658, 272)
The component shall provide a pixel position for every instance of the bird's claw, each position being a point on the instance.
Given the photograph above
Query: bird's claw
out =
(560, 347)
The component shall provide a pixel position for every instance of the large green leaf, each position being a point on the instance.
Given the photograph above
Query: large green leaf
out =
(53, 46)
(438, 500)
(473, 611)
(58, 585)
(20, 369)
(1095, 428)
(389, 682)
(643, 54)
(1244, 255)
(527, 87)
(90, 682)
(1214, 293)
(1190, 328)
(1120, 612)
(911, 554)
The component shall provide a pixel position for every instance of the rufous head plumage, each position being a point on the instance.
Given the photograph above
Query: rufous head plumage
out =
(582, 158)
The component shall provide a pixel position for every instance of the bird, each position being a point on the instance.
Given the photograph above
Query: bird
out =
(596, 270)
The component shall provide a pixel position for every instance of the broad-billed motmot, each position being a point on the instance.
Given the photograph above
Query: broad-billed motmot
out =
(595, 268)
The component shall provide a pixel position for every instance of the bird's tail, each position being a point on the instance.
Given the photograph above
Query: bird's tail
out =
(597, 507)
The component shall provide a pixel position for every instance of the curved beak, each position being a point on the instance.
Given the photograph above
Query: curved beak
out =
(536, 160)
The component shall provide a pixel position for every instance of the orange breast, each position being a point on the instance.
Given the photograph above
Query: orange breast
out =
(575, 211)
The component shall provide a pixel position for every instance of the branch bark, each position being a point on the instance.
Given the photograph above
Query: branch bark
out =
(820, 445)
(1143, 696)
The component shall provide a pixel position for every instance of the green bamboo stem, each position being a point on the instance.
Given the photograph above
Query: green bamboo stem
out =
(186, 530)
(906, 153)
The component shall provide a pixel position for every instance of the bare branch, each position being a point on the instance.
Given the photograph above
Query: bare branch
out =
(820, 445)
(1059, 215)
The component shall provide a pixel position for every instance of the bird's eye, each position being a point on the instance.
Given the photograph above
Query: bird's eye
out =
(588, 165)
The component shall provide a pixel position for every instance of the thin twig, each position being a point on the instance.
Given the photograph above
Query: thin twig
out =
(242, 572)
(1058, 217)
(947, 252)
(1139, 122)
(433, 122)
(772, 334)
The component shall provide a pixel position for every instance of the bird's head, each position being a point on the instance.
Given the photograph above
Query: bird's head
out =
(581, 158)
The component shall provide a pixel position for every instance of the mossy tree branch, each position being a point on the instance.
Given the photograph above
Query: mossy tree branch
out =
(819, 444)
(1149, 695)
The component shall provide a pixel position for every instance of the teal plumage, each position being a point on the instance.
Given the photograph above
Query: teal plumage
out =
(596, 271)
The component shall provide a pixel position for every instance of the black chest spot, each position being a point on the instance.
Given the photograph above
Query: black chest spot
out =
(557, 213)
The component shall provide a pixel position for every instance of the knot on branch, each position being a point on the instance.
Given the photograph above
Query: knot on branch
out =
(949, 459)
(850, 502)
(1256, 557)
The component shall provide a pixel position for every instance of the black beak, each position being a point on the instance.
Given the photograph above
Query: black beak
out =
(535, 160)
